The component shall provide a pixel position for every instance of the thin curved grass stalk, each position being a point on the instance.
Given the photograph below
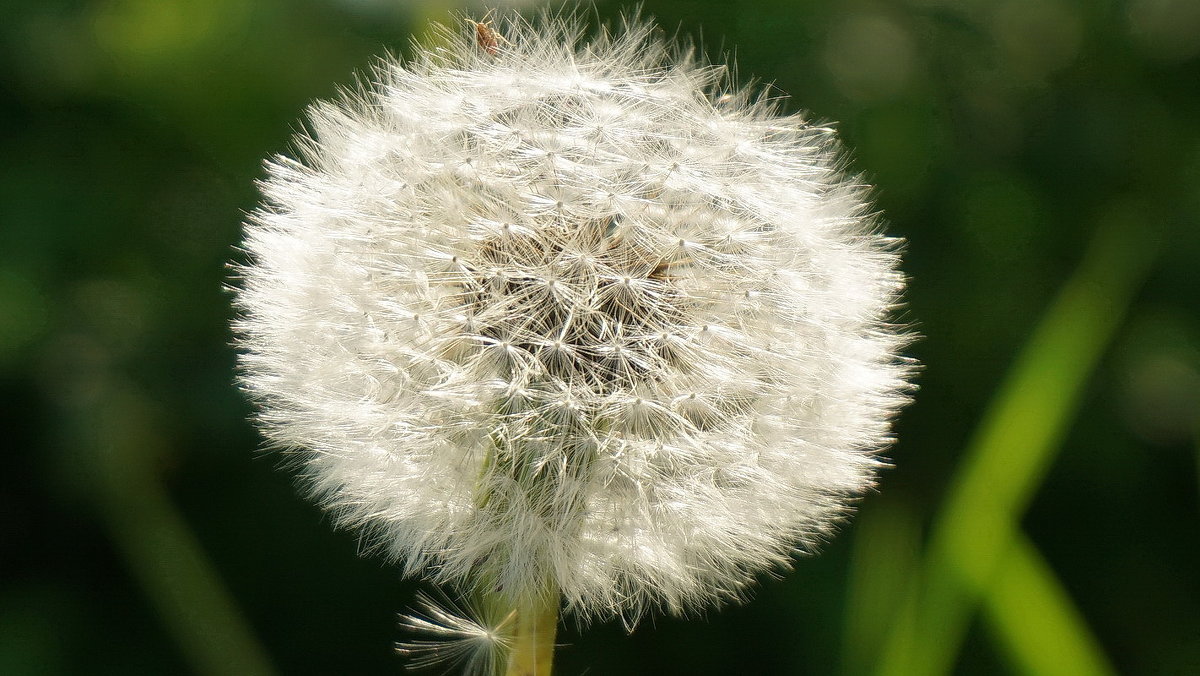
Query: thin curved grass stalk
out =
(1012, 451)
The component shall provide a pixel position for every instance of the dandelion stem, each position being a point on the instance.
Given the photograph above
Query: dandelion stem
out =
(532, 651)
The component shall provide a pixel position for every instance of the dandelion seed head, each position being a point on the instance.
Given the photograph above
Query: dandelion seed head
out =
(570, 310)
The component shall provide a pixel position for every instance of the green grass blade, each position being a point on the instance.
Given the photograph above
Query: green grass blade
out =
(160, 549)
(883, 567)
(1033, 617)
(1009, 455)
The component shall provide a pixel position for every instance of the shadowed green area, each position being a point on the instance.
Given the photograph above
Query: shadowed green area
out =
(158, 546)
(1042, 158)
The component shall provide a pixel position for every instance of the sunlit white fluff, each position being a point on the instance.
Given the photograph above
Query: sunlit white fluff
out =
(445, 633)
(573, 315)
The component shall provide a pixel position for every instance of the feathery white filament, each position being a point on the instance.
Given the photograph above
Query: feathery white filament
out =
(563, 312)
(447, 634)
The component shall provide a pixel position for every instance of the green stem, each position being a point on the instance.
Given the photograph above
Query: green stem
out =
(532, 651)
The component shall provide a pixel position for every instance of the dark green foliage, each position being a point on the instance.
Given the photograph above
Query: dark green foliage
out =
(1002, 138)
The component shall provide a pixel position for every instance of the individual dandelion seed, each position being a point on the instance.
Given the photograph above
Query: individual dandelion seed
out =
(449, 634)
(558, 320)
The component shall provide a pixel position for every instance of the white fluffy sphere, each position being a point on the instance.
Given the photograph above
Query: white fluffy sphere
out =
(548, 312)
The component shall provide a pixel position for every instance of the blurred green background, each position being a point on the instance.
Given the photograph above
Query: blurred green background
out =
(1042, 157)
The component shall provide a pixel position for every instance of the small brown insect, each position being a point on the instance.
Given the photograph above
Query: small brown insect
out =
(486, 37)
